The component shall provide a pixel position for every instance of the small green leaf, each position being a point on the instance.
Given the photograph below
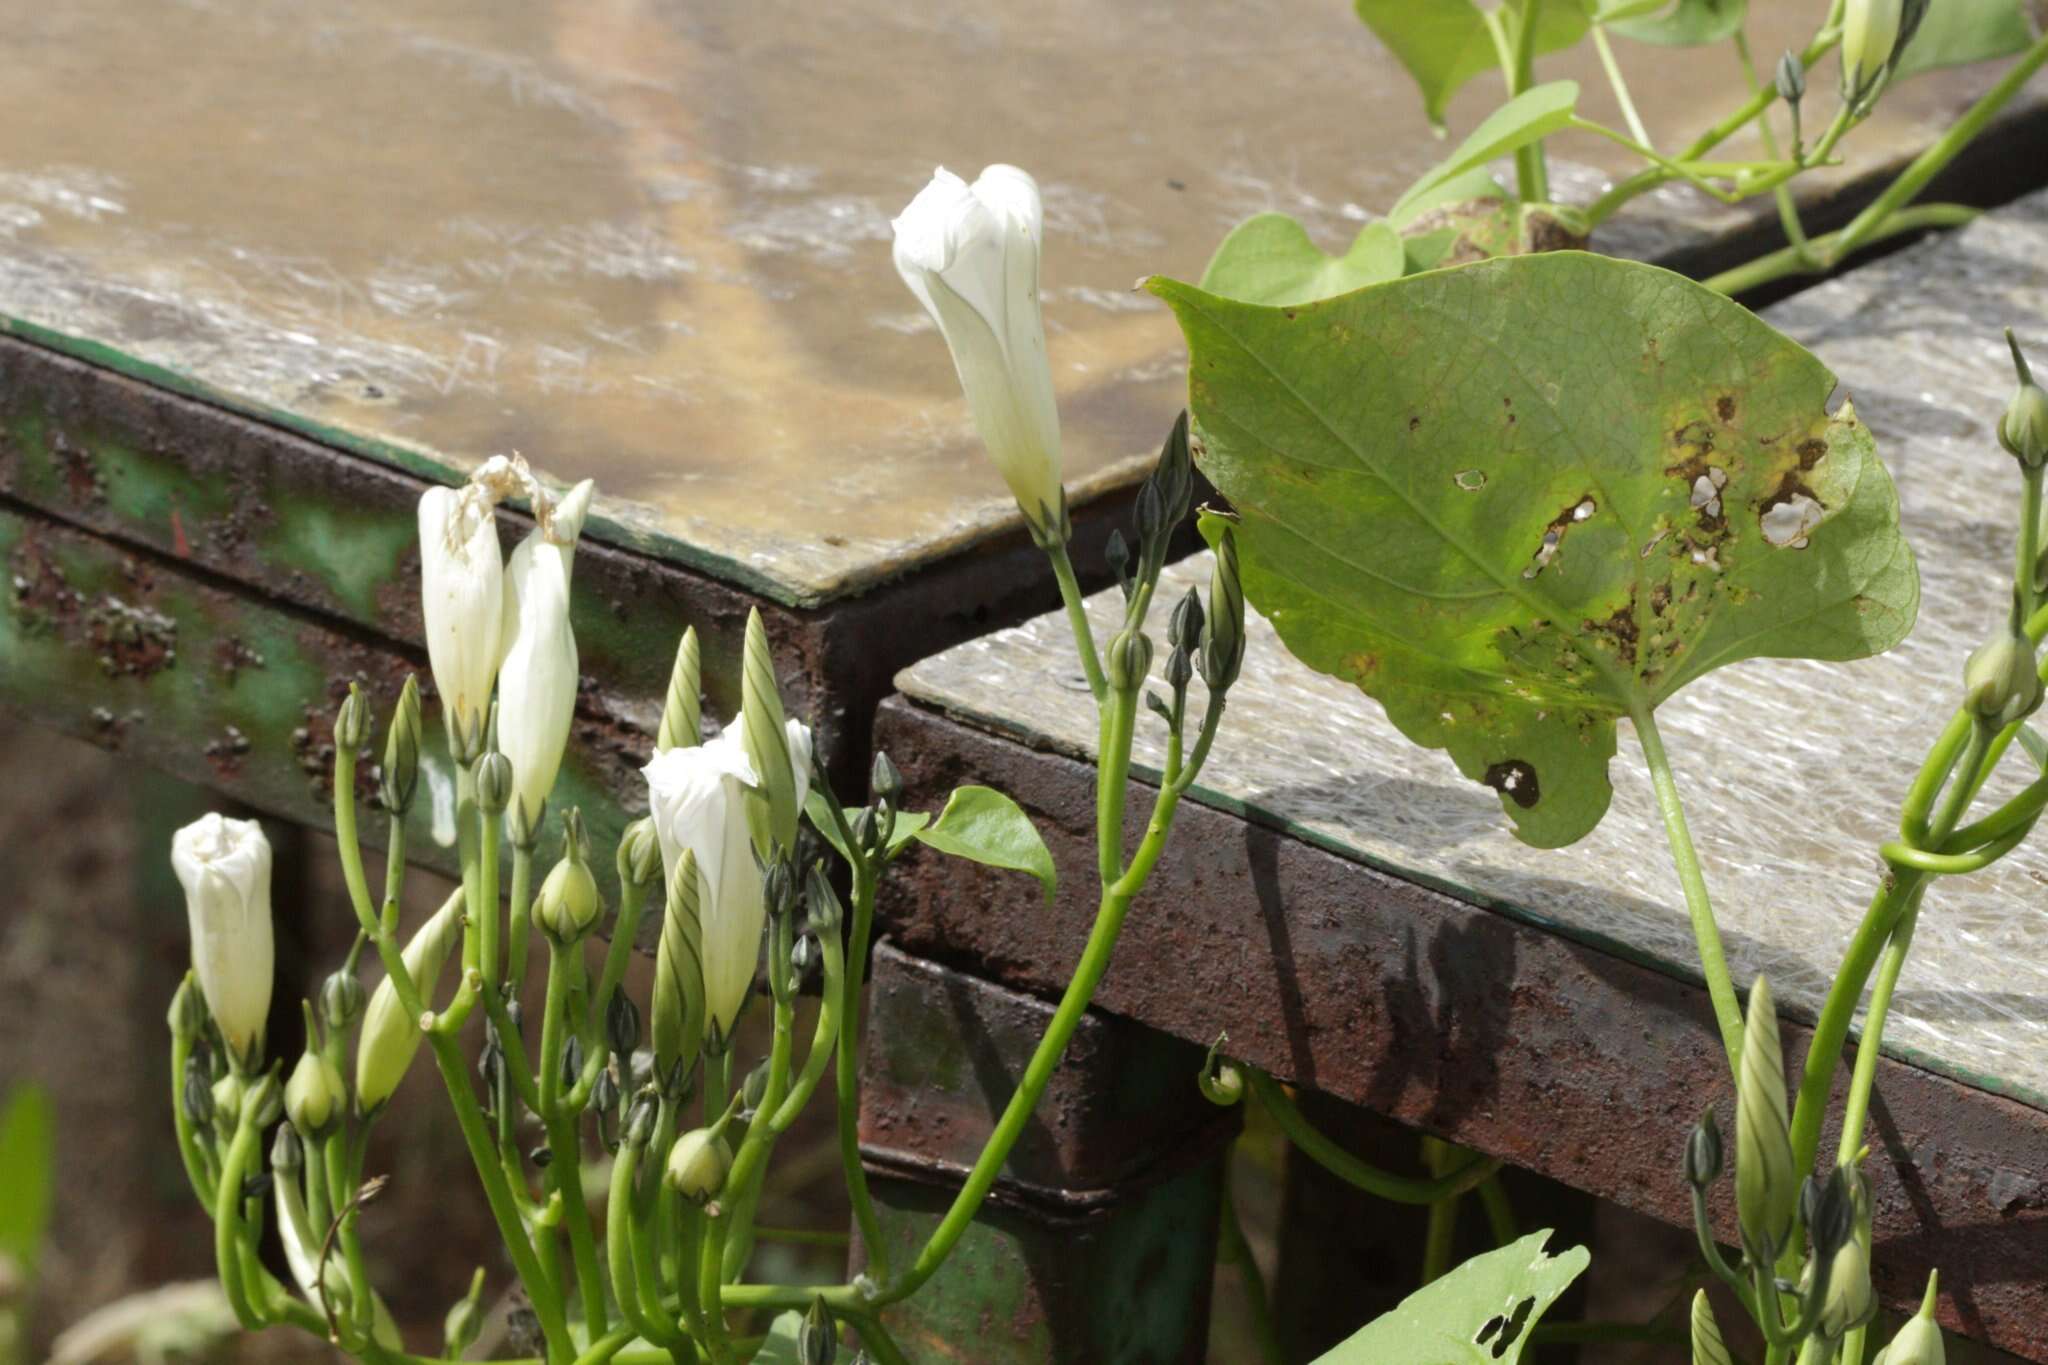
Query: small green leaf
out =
(983, 824)
(1268, 258)
(908, 822)
(1479, 1314)
(26, 1146)
(1528, 117)
(1518, 500)
(1444, 43)
(1691, 23)
(1960, 32)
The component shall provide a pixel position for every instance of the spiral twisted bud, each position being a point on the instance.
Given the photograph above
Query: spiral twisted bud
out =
(1766, 1187)
(287, 1153)
(187, 1016)
(1163, 500)
(817, 1341)
(342, 998)
(493, 782)
(772, 804)
(400, 775)
(1707, 1346)
(682, 710)
(1129, 660)
(622, 1026)
(677, 1021)
(884, 781)
(1223, 636)
(352, 721)
(827, 912)
(1838, 1276)
(1116, 552)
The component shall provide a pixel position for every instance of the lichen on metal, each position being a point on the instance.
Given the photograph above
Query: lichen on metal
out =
(650, 245)
(1792, 770)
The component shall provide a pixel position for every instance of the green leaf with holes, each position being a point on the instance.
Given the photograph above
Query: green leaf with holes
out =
(983, 824)
(1960, 32)
(1444, 43)
(1479, 1314)
(1521, 499)
(1268, 258)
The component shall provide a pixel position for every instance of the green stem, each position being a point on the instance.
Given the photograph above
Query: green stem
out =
(1857, 1110)
(1500, 1214)
(1706, 933)
(1318, 1147)
(341, 1185)
(630, 1283)
(487, 898)
(227, 1220)
(1232, 1249)
(847, 1073)
(565, 1146)
(1824, 252)
(521, 923)
(1614, 78)
(189, 1150)
(1119, 718)
(1077, 619)
(1439, 1237)
(1532, 176)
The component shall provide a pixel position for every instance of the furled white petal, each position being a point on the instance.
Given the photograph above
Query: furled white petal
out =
(970, 254)
(538, 680)
(461, 599)
(224, 866)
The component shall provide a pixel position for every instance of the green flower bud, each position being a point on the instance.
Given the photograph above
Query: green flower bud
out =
(568, 904)
(2000, 684)
(1874, 33)
(1847, 1300)
(640, 854)
(1223, 638)
(196, 1097)
(884, 781)
(1184, 627)
(352, 721)
(1116, 552)
(817, 1341)
(401, 773)
(226, 1103)
(2023, 430)
(1791, 78)
(314, 1096)
(1130, 660)
(465, 1320)
(1703, 1152)
(754, 1088)
(697, 1165)
(682, 714)
(493, 782)
(266, 1098)
(640, 1120)
(1919, 1341)
(287, 1153)
(187, 1017)
(523, 824)
(676, 1025)
(1220, 1080)
(1180, 669)
(1766, 1186)
(622, 1025)
(389, 1037)
(604, 1092)
(1707, 1347)
(867, 830)
(764, 735)
(341, 999)
(827, 913)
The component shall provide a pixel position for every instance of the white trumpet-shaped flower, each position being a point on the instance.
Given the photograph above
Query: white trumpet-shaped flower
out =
(697, 798)
(537, 681)
(224, 866)
(971, 254)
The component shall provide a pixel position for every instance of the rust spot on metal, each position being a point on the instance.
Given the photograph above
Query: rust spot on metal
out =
(231, 656)
(133, 640)
(224, 755)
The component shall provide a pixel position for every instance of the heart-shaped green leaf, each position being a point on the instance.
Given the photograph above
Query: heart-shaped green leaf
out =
(1444, 43)
(983, 824)
(1482, 1313)
(1517, 500)
(1268, 258)
(1528, 117)
(1689, 23)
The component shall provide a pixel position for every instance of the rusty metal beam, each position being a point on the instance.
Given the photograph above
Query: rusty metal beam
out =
(295, 526)
(1099, 1241)
(1497, 1034)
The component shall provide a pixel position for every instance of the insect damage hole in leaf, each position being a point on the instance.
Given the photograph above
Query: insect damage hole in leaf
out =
(1592, 574)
